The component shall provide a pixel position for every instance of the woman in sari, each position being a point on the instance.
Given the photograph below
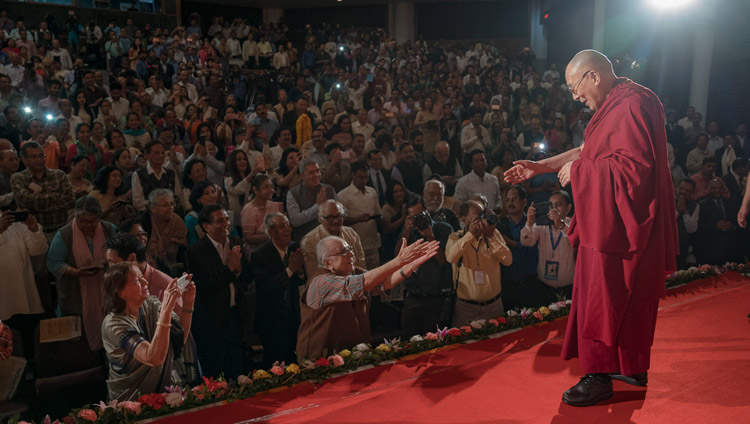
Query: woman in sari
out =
(142, 336)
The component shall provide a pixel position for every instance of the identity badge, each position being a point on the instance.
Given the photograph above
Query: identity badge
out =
(551, 269)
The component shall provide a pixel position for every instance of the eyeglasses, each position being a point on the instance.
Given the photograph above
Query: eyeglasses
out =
(347, 249)
(574, 91)
(333, 218)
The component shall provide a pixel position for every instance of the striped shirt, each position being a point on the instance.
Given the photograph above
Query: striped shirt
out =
(48, 198)
(330, 288)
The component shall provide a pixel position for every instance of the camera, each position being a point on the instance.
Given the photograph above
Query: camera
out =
(490, 218)
(422, 220)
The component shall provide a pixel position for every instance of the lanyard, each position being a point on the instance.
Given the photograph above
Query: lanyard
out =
(552, 241)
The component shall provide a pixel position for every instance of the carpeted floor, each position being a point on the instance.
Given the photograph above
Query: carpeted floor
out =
(699, 374)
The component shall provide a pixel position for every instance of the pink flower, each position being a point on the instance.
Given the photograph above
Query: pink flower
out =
(494, 322)
(466, 329)
(455, 332)
(322, 362)
(129, 406)
(538, 315)
(524, 313)
(87, 414)
(277, 370)
(337, 360)
(430, 336)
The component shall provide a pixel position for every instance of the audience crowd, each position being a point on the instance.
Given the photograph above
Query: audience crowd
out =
(290, 174)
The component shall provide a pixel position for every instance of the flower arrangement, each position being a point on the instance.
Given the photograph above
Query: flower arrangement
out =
(176, 398)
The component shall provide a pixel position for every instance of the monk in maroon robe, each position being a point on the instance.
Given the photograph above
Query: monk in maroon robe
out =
(624, 226)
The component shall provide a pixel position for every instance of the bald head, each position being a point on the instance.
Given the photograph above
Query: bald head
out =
(590, 78)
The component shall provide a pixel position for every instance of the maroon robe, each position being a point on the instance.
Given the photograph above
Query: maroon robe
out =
(625, 230)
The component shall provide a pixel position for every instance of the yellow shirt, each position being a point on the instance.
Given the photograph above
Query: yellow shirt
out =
(479, 272)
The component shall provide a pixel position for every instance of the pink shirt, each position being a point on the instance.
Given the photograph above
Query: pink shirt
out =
(252, 219)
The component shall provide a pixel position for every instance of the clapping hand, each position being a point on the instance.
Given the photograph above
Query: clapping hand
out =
(234, 259)
(296, 261)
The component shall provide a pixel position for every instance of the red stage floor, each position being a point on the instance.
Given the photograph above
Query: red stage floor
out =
(699, 374)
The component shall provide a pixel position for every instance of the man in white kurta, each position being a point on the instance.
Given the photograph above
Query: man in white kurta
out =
(19, 241)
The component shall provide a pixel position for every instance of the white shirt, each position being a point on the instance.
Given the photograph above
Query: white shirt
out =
(561, 257)
(18, 292)
(139, 199)
(158, 98)
(358, 203)
(715, 143)
(366, 129)
(488, 185)
(120, 107)
(470, 141)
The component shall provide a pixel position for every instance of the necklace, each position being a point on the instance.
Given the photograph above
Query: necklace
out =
(131, 315)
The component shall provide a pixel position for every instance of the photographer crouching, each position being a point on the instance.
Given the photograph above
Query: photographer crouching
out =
(429, 289)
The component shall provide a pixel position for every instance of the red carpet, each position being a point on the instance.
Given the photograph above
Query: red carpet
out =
(699, 373)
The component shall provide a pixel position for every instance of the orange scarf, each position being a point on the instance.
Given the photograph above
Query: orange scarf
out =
(304, 130)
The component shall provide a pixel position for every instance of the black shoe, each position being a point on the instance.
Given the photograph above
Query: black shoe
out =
(591, 389)
(640, 379)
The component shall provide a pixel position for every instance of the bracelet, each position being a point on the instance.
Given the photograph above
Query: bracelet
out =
(401, 271)
(189, 311)
(161, 324)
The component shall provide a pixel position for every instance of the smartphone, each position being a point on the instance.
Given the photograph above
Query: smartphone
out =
(202, 140)
(347, 155)
(542, 209)
(183, 282)
(495, 107)
(370, 77)
(56, 59)
(20, 216)
(389, 115)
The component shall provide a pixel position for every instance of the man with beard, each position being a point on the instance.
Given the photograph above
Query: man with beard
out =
(444, 166)
(434, 197)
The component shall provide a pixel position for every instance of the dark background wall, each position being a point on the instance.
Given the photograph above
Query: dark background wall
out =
(208, 11)
(473, 20)
(346, 16)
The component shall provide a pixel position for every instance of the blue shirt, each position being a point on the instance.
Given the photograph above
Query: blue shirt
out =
(525, 259)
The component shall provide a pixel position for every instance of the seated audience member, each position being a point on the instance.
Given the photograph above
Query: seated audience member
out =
(425, 289)
(76, 259)
(142, 336)
(445, 166)
(733, 179)
(45, 193)
(167, 232)
(153, 176)
(202, 194)
(304, 199)
(696, 156)
(216, 263)
(255, 211)
(20, 304)
(334, 306)
(378, 177)
(478, 181)
(703, 178)
(522, 271)
(726, 155)
(278, 267)
(556, 255)
(331, 216)
(475, 255)
(363, 213)
(408, 171)
(338, 173)
(716, 237)
(688, 211)
(434, 198)
(115, 207)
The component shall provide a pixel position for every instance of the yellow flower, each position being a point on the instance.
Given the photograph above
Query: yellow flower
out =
(259, 374)
(345, 353)
(544, 310)
(382, 347)
(292, 369)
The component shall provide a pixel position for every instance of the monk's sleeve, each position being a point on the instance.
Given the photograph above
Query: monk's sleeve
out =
(617, 181)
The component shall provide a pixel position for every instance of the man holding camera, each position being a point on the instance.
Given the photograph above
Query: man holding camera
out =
(476, 254)
(427, 288)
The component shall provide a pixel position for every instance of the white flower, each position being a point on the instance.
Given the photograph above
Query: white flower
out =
(478, 323)
(243, 379)
(362, 347)
(568, 301)
(173, 399)
(554, 307)
(512, 313)
(692, 269)
(416, 338)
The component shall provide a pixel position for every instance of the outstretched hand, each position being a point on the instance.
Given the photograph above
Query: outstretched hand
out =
(524, 170)
(418, 252)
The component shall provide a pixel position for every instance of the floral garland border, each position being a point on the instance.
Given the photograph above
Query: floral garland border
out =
(215, 392)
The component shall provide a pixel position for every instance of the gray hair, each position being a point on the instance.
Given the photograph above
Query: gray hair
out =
(322, 249)
(339, 206)
(268, 221)
(305, 163)
(438, 182)
(87, 205)
(158, 193)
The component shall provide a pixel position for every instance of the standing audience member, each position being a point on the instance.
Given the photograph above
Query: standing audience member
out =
(304, 199)
(363, 213)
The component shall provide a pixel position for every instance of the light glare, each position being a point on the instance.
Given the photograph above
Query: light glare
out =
(669, 4)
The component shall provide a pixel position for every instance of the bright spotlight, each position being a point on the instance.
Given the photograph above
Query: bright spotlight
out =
(27, 109)
(50, 117)
(669, 4)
